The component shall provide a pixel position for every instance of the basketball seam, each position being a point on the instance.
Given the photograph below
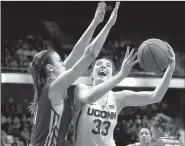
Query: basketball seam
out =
(153, 57)
(160, 49)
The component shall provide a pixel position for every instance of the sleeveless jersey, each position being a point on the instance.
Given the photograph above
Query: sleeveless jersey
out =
(167, 141)
(52, 124)
(95, 123)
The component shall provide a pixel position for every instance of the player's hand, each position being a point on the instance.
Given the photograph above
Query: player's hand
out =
(113, 17)
(128, 62)
(171, 58)
(100, 13)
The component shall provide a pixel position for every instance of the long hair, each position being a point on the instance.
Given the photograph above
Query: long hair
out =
(39, 75)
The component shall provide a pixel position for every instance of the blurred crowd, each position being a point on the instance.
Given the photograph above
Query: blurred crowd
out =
(16, 54)
(16, 123)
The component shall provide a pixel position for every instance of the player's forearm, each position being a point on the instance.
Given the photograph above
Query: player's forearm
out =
(98, 42)
(81, 45)
(98, 91)
(161, 89)
(85, 39)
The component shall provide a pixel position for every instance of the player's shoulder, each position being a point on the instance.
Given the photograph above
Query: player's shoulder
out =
(81, 87)
(169, 140)
(134, 144)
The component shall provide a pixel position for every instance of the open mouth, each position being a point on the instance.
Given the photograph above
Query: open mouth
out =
(144, 138)
(102, 72)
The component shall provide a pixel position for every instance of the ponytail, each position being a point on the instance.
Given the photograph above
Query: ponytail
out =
(34, 104)
(39, 75)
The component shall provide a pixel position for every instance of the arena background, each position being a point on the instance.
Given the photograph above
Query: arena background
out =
(28, 27)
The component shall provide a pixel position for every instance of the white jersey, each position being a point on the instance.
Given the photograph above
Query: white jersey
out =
(95, 123)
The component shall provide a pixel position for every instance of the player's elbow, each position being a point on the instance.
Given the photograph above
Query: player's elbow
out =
(90, 53)
(156, 98)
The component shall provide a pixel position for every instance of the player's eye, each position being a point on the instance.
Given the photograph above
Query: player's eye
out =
(99, 63)
(108, 65)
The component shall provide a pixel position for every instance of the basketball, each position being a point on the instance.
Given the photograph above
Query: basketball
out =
(153, 55)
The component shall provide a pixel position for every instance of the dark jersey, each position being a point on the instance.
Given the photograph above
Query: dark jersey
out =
(51, 128)
(166, 141)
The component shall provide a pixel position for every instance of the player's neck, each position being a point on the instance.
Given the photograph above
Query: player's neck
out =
(97, 82)
(145, 144)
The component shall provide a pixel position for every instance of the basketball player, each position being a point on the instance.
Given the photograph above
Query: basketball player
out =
(96, 108)
(51, 106)
(160, 126)
(160, 132)
(145, 138)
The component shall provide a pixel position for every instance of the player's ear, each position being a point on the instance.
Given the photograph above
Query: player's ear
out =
(49, 67)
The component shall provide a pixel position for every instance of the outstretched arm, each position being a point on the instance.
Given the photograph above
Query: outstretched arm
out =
(83, 42)
(88, 96)
(71, 75)
(131, 98)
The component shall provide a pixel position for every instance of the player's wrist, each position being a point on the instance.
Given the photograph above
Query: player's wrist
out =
(95, 23)
(171, 66)
(122, 74)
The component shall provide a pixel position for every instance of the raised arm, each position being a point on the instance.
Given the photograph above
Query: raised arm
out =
(87, 96)
(131, 98)
(83, 42)
(70, 76)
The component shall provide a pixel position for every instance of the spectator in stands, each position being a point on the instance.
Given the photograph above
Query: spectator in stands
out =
(8, 140)
(25, 134)
(25, 106)
(11, 106)
(24, 118)
(18, 142)
(144, 138)
(3, 119)
(3, 137)
(9, 60)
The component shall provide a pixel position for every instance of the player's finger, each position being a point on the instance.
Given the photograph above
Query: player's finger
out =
(99, 5)
(103, 4)
(102, 9)
(131, 53)
(134, 56)
(172, 54)
(133, 63)
(117, 5)
(127, 52)
(169, 46)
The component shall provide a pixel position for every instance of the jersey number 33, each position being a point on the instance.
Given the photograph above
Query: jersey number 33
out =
(99, 124)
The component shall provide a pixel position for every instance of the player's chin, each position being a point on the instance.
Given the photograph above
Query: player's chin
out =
(102, 78)
(144, 139)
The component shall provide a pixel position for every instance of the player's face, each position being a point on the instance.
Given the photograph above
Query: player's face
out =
(58, 65)
(102, 70)
(157, 132)
(145, 136)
